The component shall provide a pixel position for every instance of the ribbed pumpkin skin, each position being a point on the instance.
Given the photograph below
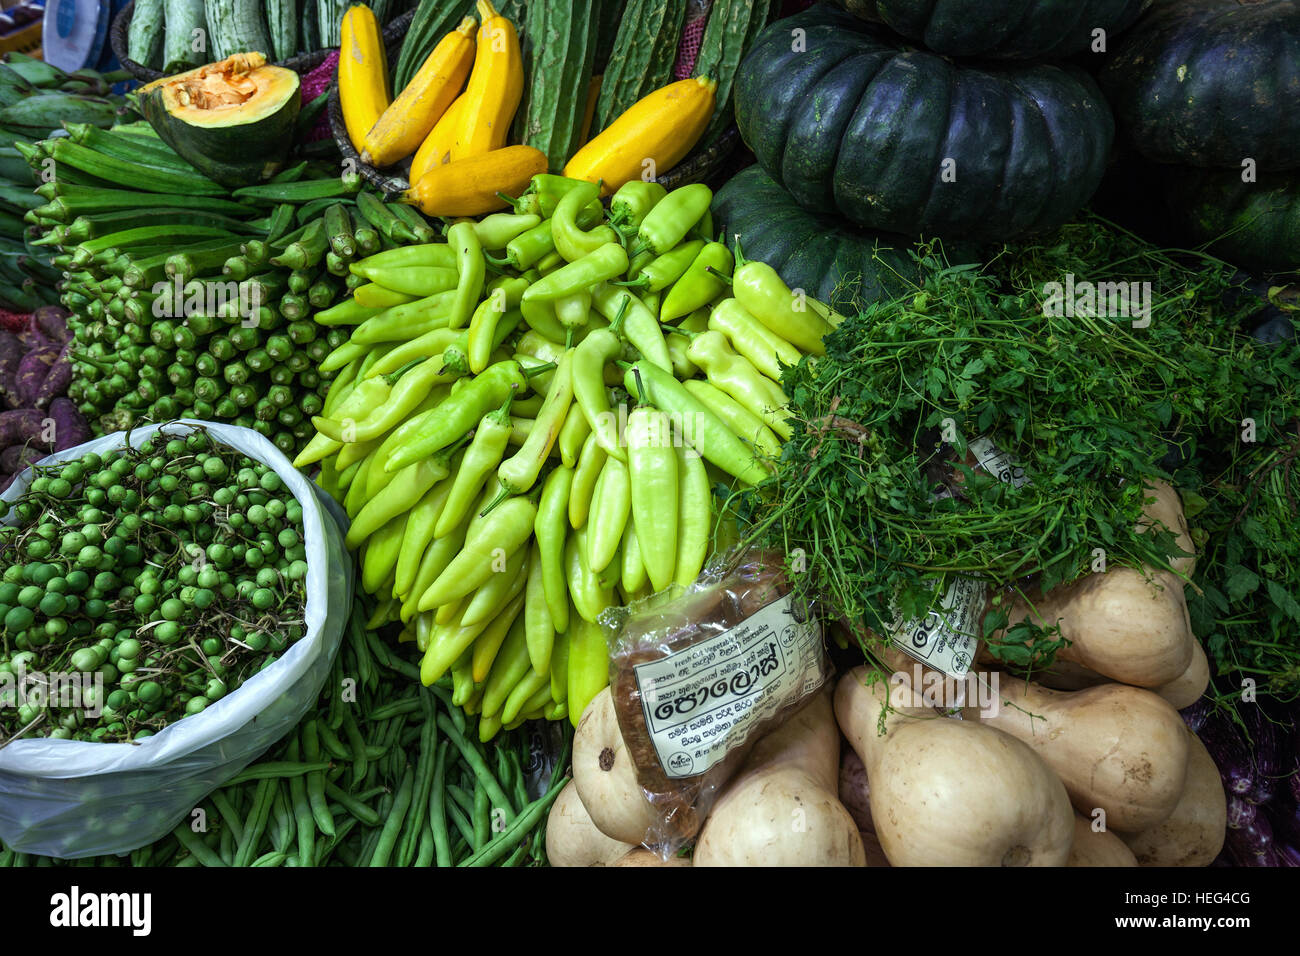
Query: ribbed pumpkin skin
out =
(1211, 82)
(827, 258)
(1011, 29)
(851, 122)
(1253, 225)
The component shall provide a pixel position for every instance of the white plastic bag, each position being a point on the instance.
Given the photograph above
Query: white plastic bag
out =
(74, 798)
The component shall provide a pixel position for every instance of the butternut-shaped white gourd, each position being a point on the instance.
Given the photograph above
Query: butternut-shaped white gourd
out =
(1193, 834)
(948, 792)
(1187, 688)
(1120, 748)
(605, 776)
(573, 840)
(1098, 847)
(782, 808)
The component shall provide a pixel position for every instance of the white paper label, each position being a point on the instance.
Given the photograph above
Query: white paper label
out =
(946, 638)
(706, 699)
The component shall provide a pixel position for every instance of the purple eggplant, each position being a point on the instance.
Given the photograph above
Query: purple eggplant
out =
(1250, 834)
(1195, 715)
(1227, 745)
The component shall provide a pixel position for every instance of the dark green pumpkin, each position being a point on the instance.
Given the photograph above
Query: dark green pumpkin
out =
(1211, 83)
(826, 257)
(850, 121)
(1252, 225)
(1012, 29)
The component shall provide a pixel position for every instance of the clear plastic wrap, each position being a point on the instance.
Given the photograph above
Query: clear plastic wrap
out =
(72, 798)
(699, 674)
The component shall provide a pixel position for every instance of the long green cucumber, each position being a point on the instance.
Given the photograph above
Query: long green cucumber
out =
(609, 14)
(182, 18)
(282, 24)
(236, 26)
(642, 60)
(129, 174)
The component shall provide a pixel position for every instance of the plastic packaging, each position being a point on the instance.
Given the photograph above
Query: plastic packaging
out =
(699, 674)
(73, 798)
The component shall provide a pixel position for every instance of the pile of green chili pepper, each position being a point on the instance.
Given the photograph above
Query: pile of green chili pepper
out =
(392, 776)
(538, 440)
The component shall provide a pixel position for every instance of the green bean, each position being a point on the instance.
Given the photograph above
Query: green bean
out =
(393, 825)
(302, 812)
(316, 780)
(274, 858)
(514, 858)
(330, 741)
(438, 809)
(200, 852)
(326, 848)
(6, 856)
(530, 817)
(256, 824)
(190, 860)
(482, 816)
(227, 811)
(475, 761)
(459, 818)
(352, 805)
(281, 821)
(427, 848)
(276, 768)
(228, 843)
(462, 798)
(405, 668)
(424, 768)
(407, 705)
(359, 759)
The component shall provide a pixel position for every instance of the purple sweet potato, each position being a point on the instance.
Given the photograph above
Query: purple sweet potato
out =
(20, 425)
(56, 380)
(70, 426)
(32, 370)
(52, 322)
(11, 353)
(17, 457)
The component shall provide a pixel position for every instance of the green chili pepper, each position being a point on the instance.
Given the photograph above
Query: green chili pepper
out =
(701, 427)
(409, 389)
(632, 576)
(590, 462)
(610, 504)
(470, 263)
(551, 528)
(589, 598)
(548, 189)
(606, 262)
(519, 473)
(497, 230)
(505, 529)
(456, 416)
(573, 312)
(672, 218)
(420, 530)
(652, 475)
(700, 284)
(529, 247)
(759, 289)
(571, 241)
(735, 416)
(737, 376)
(404, 322)
(666, 269)
(589, 361)
(428, 345)
(481, 459)
(629, 206)
(755, 341)
(574, 431)
(397, 497)
(429, 255)
(640, 326)
(503, 295)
